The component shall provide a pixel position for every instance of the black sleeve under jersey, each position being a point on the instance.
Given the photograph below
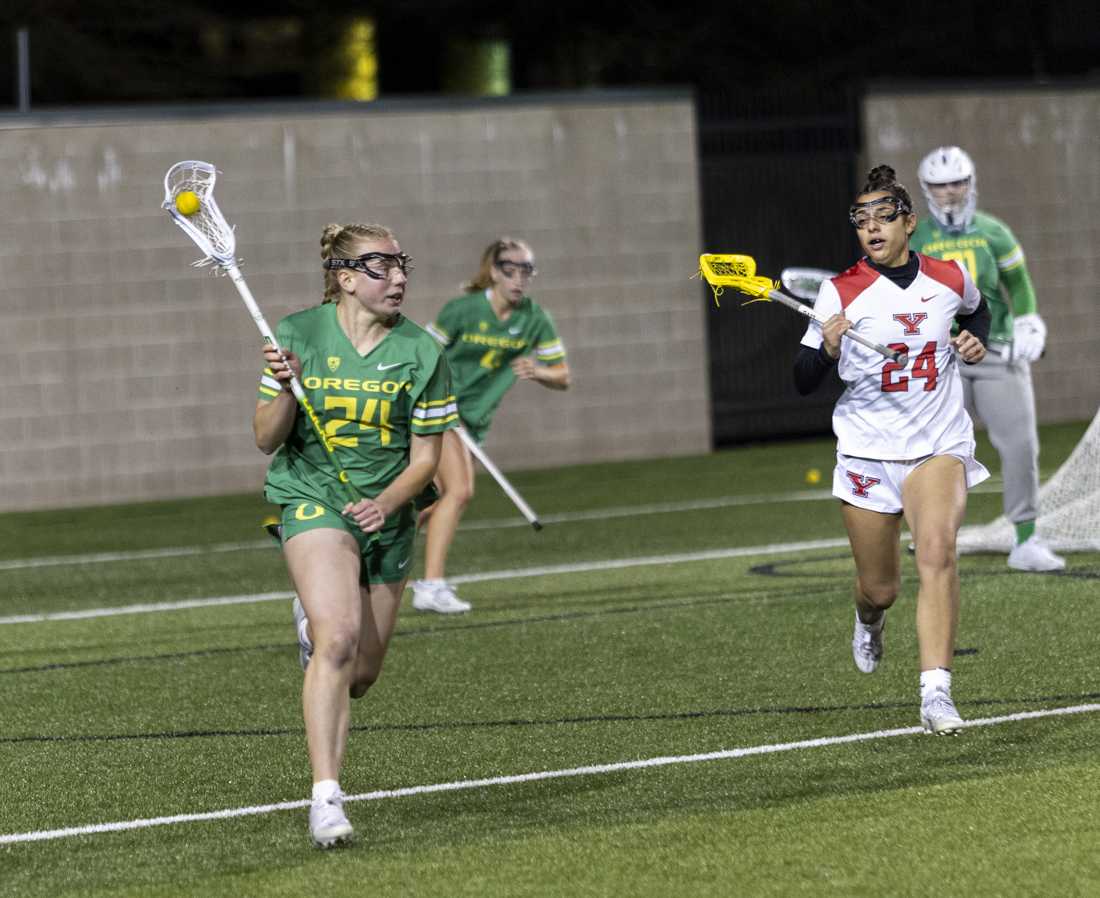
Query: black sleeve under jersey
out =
(810, 368)
(977, 322)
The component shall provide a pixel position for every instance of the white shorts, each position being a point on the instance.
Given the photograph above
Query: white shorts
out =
(876, 485)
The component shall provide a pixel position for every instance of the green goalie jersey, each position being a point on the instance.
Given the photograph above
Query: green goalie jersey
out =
(995, 262)
(480, 348)
(370, 406)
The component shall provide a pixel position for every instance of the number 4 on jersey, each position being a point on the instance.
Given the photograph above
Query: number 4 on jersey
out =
(924, 366)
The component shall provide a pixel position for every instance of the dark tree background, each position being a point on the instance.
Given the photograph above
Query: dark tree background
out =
(124, 51)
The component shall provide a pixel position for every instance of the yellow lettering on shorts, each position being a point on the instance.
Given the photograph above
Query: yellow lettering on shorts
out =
(303, 514)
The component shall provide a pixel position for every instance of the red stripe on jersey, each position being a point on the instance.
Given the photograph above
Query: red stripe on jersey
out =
(849, 284)
(947, 273)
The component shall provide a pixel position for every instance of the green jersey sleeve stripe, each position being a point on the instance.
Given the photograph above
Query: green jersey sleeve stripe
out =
(270, 382)
(268, 392)
(423, 414)
(436, 331)
(434, 422)
(1011, 259)
(429, 403)
(550, 351)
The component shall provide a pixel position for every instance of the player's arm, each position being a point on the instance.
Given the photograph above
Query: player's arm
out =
(276, 406)
(974, 319)
(1029, 331)
(556, 377)
(820, 348)
(424, 453)
(549, 366)
(447, 326)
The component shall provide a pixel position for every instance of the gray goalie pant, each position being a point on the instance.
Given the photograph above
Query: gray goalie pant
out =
(998, 393)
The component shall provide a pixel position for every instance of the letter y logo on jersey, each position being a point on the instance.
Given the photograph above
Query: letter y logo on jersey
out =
(911, 321)
(861, 483)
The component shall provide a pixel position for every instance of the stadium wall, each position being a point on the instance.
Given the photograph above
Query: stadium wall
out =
(1035, 150)
(131, 376)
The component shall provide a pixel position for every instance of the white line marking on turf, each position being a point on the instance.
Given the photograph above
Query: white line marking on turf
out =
(16, 564)
(597, 514)
(576, 568)
(590, 770)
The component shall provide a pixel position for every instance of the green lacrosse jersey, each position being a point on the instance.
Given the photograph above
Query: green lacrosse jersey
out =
(480, 348)
(995, 261)
(369, 406)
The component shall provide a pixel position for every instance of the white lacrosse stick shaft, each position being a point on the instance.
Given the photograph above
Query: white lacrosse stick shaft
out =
(265, 329)
(509, 490)
(894, 354)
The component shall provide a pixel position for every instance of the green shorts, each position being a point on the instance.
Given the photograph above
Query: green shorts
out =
(478, 433)
(386, 556)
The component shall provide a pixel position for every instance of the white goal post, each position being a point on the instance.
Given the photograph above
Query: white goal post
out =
(1069, 507)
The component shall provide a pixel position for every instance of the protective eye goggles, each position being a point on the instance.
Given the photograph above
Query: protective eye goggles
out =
(511, 269)
(883, 210)
(378, 266)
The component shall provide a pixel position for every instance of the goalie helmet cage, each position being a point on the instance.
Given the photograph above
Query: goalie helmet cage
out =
(1069, 507)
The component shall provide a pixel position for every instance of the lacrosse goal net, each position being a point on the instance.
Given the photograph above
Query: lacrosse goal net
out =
(1069, 507)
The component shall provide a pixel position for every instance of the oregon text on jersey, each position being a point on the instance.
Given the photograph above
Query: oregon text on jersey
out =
(354, 384)
(954, 243)
(497, 342)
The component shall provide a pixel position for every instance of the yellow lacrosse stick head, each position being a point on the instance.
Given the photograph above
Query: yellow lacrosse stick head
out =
(734, 270)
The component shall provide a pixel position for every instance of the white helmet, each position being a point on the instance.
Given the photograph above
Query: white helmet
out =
(945, 165)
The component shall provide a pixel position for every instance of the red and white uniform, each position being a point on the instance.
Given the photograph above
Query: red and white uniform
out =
(892, 412)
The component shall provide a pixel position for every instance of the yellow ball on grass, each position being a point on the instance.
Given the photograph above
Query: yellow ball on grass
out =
(187, 202)
(813, 476)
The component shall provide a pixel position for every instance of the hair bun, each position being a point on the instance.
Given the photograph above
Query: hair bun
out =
(328, 238)
(881, 176)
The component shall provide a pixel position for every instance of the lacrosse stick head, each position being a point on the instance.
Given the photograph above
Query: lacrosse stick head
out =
(804, 283)
(723, 270)
(206, 225)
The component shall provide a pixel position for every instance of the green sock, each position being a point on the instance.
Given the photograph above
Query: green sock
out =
(1024, 530)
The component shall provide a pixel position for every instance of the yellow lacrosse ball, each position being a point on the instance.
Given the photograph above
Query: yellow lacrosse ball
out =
(813, 476)
(187, 202)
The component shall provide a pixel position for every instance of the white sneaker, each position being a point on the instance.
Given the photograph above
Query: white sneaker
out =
(938, 714)
(301, 624)
(437, 597)
(867, 644)
(1032, 555)
(328, 824)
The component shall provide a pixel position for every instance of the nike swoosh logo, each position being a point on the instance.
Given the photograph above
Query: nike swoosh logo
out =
(927, 298)
(514, 330)
(401, 564)
(387, 367)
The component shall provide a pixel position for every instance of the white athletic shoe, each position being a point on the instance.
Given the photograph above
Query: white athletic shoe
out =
(938, 714)
(301, 624)
(328, 824)
(437, 597)
(1032, 555)
(867, 644)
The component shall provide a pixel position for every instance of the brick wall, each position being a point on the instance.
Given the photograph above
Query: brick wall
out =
(1038, 168)
(132, 376)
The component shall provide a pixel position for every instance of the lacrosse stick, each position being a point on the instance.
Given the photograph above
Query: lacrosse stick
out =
(804, 283)
(509, 490)
(189, 199)
(739, 272)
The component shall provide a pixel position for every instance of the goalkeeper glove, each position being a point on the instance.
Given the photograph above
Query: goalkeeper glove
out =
(1029, 337)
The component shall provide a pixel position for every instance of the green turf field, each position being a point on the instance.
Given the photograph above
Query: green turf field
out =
(685, 646)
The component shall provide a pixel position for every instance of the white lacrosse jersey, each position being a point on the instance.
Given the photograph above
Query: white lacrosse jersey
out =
(889, 411)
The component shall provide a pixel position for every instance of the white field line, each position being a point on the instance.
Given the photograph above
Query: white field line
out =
(547, 570)
(590, 770)
(598, 514)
